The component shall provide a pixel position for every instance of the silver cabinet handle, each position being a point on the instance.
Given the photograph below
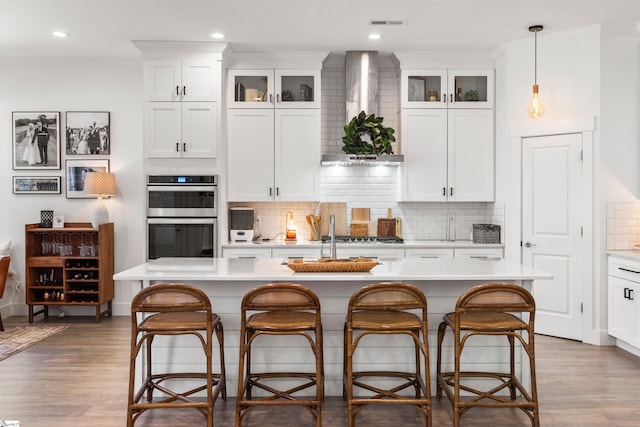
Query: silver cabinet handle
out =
(278, 98)
(177, 90)
(184, 146)
(270, 98)
(177, 146)
(184, 90)
(528, 244)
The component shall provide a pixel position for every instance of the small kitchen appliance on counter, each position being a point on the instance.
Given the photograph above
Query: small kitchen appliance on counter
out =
(241, 220)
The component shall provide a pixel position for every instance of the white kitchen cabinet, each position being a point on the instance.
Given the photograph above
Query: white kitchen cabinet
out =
(182, 80)
(246, 252)
(182, 113)
(624, 294)
(273, 154)
(181, 129)
(280, 88)
(447, 88)
(429, 253)
(450, 155)
(482, 253)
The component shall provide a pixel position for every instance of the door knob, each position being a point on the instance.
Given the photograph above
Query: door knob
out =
(528, 244)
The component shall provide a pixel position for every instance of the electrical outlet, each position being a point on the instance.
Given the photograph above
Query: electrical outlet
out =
(258, 218)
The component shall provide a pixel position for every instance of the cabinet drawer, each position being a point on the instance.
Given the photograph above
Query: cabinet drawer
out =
(429, 253)
(488, 253)
(627, 270)
(46, 261)
(246, 253)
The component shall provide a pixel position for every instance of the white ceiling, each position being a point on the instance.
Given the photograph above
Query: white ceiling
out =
(105, 28)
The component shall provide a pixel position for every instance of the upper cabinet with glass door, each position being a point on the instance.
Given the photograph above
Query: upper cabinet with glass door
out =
(274, 88)
(447, 89)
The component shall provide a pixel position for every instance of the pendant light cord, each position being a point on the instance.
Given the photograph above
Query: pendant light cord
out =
(535, 59)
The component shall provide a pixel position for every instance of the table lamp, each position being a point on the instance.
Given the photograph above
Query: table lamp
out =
(99, 184)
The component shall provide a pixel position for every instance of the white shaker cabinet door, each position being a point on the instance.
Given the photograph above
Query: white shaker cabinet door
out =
(471, 156)
(424, 145)
(250, 155)
(297, 154)
(163, 134)
(199, 129)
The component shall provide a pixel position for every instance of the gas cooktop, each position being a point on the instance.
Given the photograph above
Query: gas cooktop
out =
(366, 239)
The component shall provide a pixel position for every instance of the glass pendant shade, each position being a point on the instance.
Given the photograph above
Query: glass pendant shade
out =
(535, 109)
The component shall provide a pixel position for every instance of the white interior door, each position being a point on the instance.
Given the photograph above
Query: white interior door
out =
(552, 230)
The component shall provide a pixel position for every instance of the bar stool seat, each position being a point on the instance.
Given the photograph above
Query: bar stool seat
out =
(280, 309)
(490, 309)
(387, 308)
(174, 309)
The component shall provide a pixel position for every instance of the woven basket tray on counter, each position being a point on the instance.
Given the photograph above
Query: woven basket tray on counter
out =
(347, 265)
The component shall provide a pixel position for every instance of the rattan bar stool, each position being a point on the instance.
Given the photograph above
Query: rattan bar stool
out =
(173, 309)
(496, 309)
(279, 309)
(387, 308)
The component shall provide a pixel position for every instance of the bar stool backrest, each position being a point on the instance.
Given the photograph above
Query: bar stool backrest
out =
(387, 296)
(170, 297)
(497, 297)
(280, 297)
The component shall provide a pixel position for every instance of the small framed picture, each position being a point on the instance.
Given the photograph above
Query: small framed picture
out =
(36, 140)
(417, 89)
(36, 185)
(58, 221)
(87, 133)
(76, 172)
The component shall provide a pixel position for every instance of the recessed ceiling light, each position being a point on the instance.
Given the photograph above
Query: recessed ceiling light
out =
(217, 36)
(375, 36)
(60, 34)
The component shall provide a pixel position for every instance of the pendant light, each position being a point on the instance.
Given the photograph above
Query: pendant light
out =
(535, 109)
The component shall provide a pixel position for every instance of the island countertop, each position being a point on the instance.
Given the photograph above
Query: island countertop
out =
(274, 269)
(227, 280)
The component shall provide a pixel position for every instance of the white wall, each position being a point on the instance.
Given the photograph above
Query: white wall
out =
(113, 85)
(583, 74)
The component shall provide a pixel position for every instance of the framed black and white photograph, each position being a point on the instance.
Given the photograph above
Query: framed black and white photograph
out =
(76, 172)
(36, 185)
(36, 140)
(88, 133)
(417, 89)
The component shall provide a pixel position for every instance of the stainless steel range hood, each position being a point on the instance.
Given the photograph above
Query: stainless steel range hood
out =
(362, 160)
(361, 76)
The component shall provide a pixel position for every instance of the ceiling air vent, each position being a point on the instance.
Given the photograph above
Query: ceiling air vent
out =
(385, 22)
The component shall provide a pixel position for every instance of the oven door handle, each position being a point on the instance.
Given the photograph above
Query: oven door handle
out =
(184, 189)
(181, 220)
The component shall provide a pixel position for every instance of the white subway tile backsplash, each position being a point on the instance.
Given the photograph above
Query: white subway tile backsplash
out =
(623, 225)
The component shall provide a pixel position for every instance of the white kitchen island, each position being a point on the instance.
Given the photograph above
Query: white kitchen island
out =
(226, 280)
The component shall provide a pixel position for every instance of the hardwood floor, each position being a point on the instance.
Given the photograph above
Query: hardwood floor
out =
(79, 377)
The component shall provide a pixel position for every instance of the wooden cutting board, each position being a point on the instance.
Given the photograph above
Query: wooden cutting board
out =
(359, 222)
(389, 226)
(360, 214)
(340, 211)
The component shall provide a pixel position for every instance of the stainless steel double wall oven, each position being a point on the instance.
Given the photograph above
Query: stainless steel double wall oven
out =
(182, 216)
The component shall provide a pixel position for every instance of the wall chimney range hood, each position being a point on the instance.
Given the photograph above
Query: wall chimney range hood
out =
(361, 75)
